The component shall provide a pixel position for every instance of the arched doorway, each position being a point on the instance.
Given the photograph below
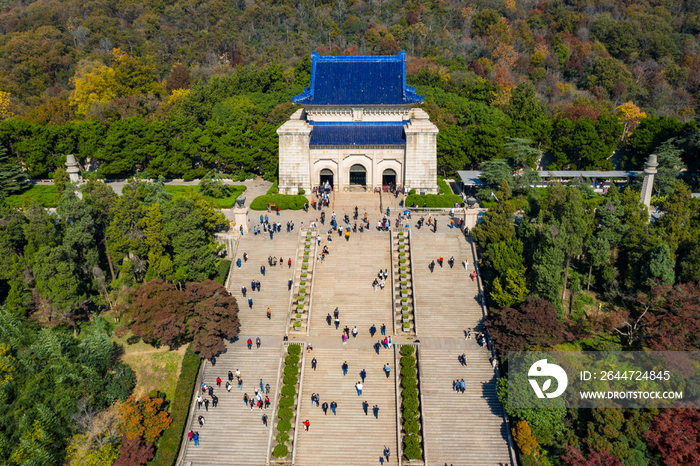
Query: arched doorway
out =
(326, 176)
(389, 178)
(358, 175)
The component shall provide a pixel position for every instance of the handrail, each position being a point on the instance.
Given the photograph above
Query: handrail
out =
(301, 386)
(485, 313)
(291, 289)
(278, 390)
(313, 280)
(413, 285)
(393, 281)
(190, 417)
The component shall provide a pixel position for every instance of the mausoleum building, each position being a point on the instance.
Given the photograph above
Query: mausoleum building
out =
(359, 129)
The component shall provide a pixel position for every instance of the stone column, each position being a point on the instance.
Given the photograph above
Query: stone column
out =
(420, 164)
(72, 168)
(294, 156)
(649, 172)
(240, 215)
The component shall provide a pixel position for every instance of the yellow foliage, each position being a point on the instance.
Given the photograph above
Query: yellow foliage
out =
(94, 82)
(505, 54)
(468, 12)
(524, 438)
(509, 4)
(5, 105)
(6, 363)
(629, 115)
(178, 95)
(537, 59)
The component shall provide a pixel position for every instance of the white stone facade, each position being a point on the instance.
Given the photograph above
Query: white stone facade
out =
(414, 164)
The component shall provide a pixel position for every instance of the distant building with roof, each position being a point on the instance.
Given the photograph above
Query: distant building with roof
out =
(358, 129)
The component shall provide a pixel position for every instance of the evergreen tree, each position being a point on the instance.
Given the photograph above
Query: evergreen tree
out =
(12, 179)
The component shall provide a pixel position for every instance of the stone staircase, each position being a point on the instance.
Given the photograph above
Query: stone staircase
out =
(273, 286)
(232, 433)
(462, 428)
(402, 286)
(302, 289)
(344, 280)
(350, 437)
(446, 299)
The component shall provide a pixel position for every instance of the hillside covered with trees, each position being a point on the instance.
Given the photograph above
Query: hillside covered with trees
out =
(177, 89)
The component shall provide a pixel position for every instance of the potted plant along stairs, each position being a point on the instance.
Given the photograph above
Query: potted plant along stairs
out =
(404, 304)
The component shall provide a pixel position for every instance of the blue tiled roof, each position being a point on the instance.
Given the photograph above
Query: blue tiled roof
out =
(357, 134)
(358, 80)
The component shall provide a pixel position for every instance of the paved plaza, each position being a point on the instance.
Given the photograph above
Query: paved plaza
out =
(458, 428)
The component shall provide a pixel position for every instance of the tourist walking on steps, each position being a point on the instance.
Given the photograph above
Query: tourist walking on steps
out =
(354, 332)
(363, 374)
(328, 319)
(345, 368)
(267, 389)
(257, 342)
(313, 363)
(250, 303)
(240, 384)
(374, 284)
(264, 420)
(196, 439)
(358, 386)
(377, 345)
(383, 329)
(307, 424)
(200, 419)
(375, 411)
(324, 407)
(337, 323)
(372, 330)
(387, 370)
(334, 406)
(250, 343)
(365, 407)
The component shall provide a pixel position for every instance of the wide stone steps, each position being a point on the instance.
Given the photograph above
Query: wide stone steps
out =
(344, 280)
(350, 437)
(462, 428)
(232, 433)
(446, 300)
(273, 286)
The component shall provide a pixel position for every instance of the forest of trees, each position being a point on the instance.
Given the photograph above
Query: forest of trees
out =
(585, 272)
(177, 89)
(102, 265)
(167, 88)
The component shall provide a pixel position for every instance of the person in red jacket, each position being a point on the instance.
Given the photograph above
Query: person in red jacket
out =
(250, 343)
(218, 382)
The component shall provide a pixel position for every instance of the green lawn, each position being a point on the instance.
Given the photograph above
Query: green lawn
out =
(45, 195)
(223, 203)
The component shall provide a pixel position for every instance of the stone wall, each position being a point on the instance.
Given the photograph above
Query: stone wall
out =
(421, 153)
(294, 161)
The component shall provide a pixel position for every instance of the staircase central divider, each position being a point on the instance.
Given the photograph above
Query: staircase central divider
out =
(401, 298)
(296, 315)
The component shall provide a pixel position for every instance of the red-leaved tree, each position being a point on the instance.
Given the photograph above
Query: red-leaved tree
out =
(574, 457)
(134, 452)
(675, 433)
(534, 322)
(203, 313)
(674, 321)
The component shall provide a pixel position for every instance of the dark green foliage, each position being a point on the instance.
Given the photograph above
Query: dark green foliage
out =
(291, 370)
(408, 382)
(286, 401)
(291, 360)
(282, 437)
(408, 361)
(433, 200)
(169, 443)
(407, 350)
(294, 349)
(212, 185)
(408, 371)
(12, 180)
(222, 270)
(289, 390)
(282, 201)
(290, 380)
(283, 425)
(280, 451)
(286, 413)
(120, 384)
(411, 427)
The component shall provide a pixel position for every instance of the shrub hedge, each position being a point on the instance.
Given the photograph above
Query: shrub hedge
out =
(407, 350)
(169, 443)
(286, 413)
(289, 390)
(280, 451)
(282, 201)
(410, 404)
(291, 360)
(286, 401)
(282, 437)
(290, 380)
(444, 201)
(294, 349)
(291, 370)
(283, 425)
